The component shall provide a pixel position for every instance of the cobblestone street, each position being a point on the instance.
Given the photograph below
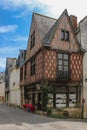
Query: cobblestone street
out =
(17, 119)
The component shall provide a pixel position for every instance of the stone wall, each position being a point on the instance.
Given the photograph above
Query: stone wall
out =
(15, 98)
(2, 91)
(82, 37)
(85, 83)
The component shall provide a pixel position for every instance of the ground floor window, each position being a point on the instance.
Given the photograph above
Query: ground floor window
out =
(63, 96)
(72, 99)
(60, 100)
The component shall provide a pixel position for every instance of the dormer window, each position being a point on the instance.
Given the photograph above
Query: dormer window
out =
(32, 42)
(64, 35)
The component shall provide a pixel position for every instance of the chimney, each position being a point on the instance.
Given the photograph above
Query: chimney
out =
(73, 21)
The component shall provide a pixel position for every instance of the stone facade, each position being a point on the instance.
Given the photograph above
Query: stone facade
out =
(82, 38)
(2, 91)
(84, 94)
(15, 94)
(10, 63)
(2, 87)
(13, 91)
(2, 76)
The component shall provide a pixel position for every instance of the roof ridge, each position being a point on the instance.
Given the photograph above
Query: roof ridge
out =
(83, 19)
(11, 58)
(44, 15)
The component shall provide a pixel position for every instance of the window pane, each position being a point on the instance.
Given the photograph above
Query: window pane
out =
(66, 35)
(31, 44)
(59, 56)
(65, 56)
(60, 67)
(33, 41)
(66, 63)
(33, 66)
(65, 68)
(62, 35)
(60, 62)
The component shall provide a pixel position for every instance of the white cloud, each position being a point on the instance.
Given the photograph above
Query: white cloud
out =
(8, 28)
(21, 14)
(2, 63)
(9, 50)
(14, 44)
(6, 4)
(53, 8)
(19, 39)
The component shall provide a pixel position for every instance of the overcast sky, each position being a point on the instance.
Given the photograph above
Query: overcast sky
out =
(15, 21)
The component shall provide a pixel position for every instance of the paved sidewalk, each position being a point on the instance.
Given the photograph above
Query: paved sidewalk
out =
(59, 125)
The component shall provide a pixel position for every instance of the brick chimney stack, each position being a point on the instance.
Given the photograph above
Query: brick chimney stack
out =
(73, 21)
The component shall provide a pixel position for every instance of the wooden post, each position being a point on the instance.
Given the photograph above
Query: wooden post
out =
(83, 101)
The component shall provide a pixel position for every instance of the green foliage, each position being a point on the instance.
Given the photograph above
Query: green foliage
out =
(58, 116)
(45, 90)
(45, 102)
(49, 111)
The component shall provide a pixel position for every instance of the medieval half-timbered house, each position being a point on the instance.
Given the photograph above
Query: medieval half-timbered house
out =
(53, 59)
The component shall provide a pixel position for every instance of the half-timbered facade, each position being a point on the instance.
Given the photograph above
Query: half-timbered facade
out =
(54, 59)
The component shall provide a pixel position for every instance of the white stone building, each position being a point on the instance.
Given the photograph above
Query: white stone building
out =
(10, 63)
(15, 96)
(2, 87)
(82, 38)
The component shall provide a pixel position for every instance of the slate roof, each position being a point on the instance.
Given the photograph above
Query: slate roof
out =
(47, 26)
(44, 24)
